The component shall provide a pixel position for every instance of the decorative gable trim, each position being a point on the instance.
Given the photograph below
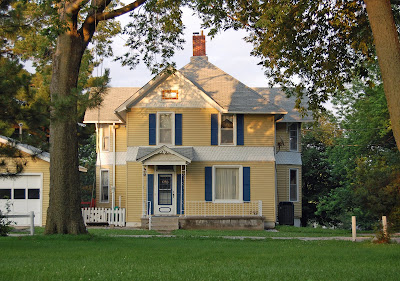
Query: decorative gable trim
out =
(164, 150)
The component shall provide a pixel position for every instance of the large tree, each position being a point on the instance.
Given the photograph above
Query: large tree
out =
(80, 19)
(315, 48)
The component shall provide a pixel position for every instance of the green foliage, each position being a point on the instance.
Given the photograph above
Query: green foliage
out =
(310, 48)
(362, 161)
(5, 223)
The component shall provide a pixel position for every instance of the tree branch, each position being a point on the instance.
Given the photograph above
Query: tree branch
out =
(120, 11)
(75, 6)
(89, 26)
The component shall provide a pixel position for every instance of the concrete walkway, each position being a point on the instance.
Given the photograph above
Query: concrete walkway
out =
(342, 238)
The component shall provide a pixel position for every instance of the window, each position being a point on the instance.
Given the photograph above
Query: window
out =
(293, 136)
(227, 129)
(293, 185)
(5, 193)
(164, 189)
(170, 94)
(228, 183)
(104, 186)
(165, 128)
(19, 193)
(106, 138)
(34, 193)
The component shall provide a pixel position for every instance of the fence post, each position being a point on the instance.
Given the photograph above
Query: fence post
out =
(384, 224)
(354, 228)
(32, 220)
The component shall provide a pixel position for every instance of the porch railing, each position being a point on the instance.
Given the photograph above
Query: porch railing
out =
(203, 208)
(104, 215)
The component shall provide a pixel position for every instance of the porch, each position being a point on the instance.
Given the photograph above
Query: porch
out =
(209, 215)
(166, 195)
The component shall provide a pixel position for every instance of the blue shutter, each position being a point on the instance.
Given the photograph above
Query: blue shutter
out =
(240, 129)
(208, 183)
(246, 184)
(150, 192)
(178, 129)
(152, 128)
(180, 195)
(214, 129)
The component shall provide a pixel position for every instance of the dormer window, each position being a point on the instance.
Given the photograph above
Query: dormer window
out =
(227, 129)
(165, 128)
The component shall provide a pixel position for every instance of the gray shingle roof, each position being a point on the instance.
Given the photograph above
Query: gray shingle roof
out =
(114, 98)
(288, 158)
(211, 153)
(184, 151)
(228, 92)
(278, 97)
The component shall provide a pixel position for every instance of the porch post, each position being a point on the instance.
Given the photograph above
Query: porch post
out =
(184, 177)
(143, 212)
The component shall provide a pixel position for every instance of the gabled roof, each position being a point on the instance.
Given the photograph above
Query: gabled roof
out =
(231, 94)
(278, 97)
(184, 154)
(31, 150)
(105, 113)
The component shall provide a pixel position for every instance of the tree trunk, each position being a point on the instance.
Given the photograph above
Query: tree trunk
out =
(64, 214)
(387, 44)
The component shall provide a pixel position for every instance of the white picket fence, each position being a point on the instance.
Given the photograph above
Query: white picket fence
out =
(104, 215)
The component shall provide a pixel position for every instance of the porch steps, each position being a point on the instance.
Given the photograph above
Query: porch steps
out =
(164, 223)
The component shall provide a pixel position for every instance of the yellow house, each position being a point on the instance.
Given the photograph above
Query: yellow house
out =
(198, 146)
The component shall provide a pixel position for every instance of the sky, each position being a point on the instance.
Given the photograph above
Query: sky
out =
(227, 50)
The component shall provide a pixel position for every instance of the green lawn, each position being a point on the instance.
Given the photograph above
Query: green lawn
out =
(98, 257)
(282, 231)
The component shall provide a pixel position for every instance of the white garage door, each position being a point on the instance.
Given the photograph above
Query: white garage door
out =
(24, 194)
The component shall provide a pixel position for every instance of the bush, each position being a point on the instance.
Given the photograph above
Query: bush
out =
(4, 222)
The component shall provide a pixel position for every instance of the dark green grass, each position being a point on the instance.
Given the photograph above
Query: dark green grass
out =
(282, 231)
(113, 258)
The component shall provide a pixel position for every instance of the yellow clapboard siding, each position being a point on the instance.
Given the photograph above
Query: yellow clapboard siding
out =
(259, 130)
(120, 138)
(282, 137)
(196, 125)
(262, 183)
(120, 185)
(283, 186)
(134, 192)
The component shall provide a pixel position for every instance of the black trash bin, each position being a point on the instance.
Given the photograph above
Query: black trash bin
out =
(286, 213)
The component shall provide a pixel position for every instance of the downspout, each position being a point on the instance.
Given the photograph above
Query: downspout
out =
(114, 164)
(276, 171)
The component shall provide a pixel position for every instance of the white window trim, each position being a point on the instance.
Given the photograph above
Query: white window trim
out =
(240, 200)
(297, 137)
(297, 183)
(104, 127)
(101, 186)
(234, 130)
(172, 128)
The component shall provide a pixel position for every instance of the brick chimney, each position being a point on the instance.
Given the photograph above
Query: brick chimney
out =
(199, 44)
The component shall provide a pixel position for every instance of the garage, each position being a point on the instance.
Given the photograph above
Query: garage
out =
(24, 194)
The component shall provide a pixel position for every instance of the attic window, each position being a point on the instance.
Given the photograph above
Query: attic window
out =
(170, 94)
